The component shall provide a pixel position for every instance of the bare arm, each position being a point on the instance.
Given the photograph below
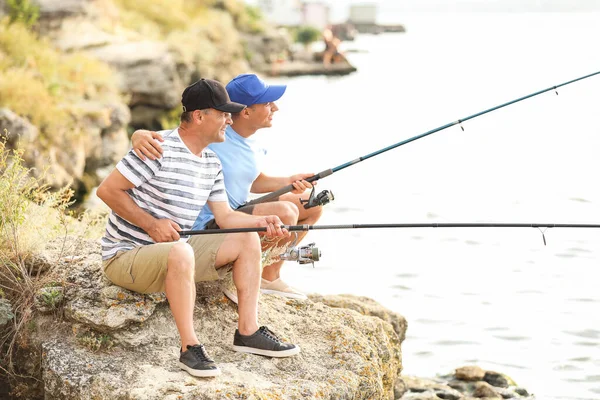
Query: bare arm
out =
(227, 218)
(265, 184)
(146, 144)
(113, 191)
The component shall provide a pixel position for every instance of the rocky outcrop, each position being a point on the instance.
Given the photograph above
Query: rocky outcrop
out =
(468, 382)
(92, 154)
(16, 129)
(147, 71)
(152, 72)
(298, 68)
(5, 312)
(151, 69)
(266, 49)
(117, 344)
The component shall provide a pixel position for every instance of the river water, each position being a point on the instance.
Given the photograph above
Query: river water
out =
(497, 298)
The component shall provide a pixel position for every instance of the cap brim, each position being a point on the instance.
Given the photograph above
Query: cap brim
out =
(273, 93)
(230, 107)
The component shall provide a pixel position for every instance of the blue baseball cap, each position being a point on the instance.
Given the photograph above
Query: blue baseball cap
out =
(249, 89)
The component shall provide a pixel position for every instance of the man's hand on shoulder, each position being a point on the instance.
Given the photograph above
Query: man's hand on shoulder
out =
(145, 144)
(163, 230)
(300, 183)
(273, 225)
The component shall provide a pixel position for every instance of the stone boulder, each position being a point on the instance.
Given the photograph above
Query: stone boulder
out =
(118, 344)
(19, 129)
(267, 48)
(102, 144)
(468, 382)
(146, 70)
(5, 312)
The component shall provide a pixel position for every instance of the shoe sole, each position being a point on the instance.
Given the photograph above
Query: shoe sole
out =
(283, 294)
(200, 373)
(268, 353)
(230, 296)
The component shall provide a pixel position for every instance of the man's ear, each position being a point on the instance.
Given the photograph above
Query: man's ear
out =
(197, 116)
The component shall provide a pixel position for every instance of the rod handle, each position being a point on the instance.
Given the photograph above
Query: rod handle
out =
(239, 230)
(287, 189)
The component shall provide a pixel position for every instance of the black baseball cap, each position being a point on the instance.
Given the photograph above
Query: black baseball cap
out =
(208, 93)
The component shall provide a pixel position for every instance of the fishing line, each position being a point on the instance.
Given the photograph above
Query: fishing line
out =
(328, 196)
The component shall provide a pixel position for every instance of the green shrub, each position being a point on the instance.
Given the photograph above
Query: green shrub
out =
(307, 35)
(23, 11)
(52, 297)
(30, 217)
(95, 341)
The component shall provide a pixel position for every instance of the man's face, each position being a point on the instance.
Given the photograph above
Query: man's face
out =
(261, 114)
(214, 123)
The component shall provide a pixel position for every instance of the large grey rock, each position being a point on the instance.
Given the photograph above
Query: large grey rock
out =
(76, 34)
(53, 13)
(462, 384)
(345, 354)
(485, 390)
(147, 71)
(19, 129)
(57, 8)
(469, 373)
(67, 158)
(423, 389)
(94, 302)
(365, 306)
(266, 48)
(107, 140)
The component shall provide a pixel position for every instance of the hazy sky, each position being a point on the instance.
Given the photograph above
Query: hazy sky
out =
(339, 8)
(477, 5)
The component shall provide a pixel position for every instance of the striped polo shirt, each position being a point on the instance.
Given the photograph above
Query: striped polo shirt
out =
(175, 186)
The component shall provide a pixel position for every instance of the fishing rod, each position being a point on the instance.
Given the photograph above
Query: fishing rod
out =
(292, 228)
(309, 253)
(325, 196)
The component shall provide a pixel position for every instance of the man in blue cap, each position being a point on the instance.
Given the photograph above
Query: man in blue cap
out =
(240, 155)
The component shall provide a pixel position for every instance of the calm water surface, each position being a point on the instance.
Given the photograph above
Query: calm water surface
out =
(498, 298)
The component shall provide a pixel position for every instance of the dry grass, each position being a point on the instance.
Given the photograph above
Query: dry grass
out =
(158, 18)
(31, 217)
(39, 83)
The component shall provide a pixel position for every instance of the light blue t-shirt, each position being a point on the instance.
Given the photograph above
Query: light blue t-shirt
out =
(240, 159)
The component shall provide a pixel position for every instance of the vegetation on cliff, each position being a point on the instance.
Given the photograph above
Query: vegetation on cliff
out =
(31, 217)
(159, 17)
(45, 86)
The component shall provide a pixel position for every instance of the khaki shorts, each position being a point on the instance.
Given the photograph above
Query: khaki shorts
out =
(144, 268)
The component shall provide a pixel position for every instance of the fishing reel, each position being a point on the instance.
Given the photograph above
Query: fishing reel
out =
(304, 254)
(319, 200)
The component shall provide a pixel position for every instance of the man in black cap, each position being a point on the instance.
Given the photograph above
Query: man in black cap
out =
(240, 156)
(152, 200)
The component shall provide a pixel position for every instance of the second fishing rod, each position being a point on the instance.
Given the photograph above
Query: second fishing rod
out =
(310, 253)
(324, 197)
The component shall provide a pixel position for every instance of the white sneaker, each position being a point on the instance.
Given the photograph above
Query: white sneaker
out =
(226, 283)
(280, 288)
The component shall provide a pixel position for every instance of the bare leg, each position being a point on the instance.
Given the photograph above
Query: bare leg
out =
(327, 58)
(243, 249)
(308, 217)
(181, 291)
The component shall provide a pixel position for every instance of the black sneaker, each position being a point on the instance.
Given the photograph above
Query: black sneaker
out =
(265, 343)
(197, 362)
